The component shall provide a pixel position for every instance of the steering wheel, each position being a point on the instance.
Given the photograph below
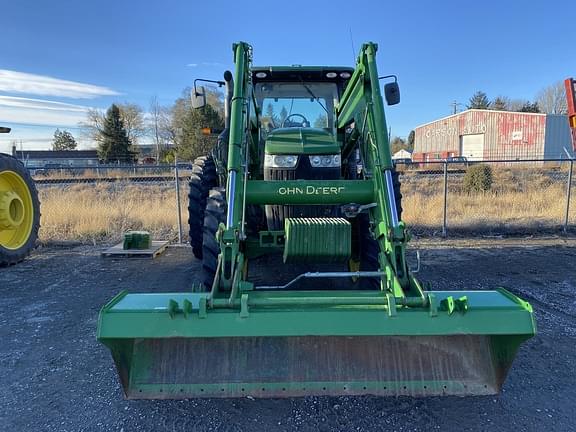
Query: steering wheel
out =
(303, 123)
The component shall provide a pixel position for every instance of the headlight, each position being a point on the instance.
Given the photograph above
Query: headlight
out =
(325, 161)
(280, 161)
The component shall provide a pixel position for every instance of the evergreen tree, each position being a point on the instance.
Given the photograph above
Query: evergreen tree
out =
(115, 146)
(530, 107)
(188, 124)
(500, 104)
(272, 115)
(410, 143)
(63, 140)
(321, 121)
(479, 101)
(193, 142)
(283, 115)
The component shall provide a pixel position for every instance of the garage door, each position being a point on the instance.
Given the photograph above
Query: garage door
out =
(472, 146)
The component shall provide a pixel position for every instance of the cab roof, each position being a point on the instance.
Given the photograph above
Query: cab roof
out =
(299, 73)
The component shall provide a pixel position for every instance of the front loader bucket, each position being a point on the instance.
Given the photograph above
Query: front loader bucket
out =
(169, 346)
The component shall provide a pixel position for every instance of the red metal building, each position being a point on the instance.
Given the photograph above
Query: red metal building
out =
(493, 135)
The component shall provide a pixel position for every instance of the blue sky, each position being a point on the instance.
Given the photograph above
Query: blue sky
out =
(57, 58)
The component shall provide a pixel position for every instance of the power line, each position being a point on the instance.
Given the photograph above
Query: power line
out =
(352, 44)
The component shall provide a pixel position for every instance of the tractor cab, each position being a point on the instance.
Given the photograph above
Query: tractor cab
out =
(298, 96)
(298, 130)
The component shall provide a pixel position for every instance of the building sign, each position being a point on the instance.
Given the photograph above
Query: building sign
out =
(441, 132)
(517, 135)
(450, 131)
(474, 129)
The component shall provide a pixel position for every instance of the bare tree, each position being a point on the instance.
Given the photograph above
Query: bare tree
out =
(155, 119)
(552, 99)
(133, 118)
(168, 131)
(215, 98)
(94, 125)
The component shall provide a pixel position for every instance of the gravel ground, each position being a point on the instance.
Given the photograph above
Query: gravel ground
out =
(55, 376)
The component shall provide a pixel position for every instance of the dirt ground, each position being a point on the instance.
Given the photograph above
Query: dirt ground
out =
(54, 376)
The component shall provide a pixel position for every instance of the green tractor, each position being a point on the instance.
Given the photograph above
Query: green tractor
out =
(19, 210)
(303, 174)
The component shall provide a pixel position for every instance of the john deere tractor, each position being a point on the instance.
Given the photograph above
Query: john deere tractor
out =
(302, 180)
(19, 210)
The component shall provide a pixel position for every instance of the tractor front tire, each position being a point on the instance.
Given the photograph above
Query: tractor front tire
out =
(203, 178)
(397, 192)
(214, 215)
(19, 211)
(367, 246)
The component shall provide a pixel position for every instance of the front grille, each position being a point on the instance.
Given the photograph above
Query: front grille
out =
(275, 214)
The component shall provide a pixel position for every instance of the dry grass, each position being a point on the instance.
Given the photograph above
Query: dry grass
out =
(519, 201)
(511, 211)
(102, 212)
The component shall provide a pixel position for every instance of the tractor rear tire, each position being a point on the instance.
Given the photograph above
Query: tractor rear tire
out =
(203, 178)
(205, 168)
(214, 215)
(19, 211)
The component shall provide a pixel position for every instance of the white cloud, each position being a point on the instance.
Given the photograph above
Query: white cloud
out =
(37, 117)
(209, 64)
(40, 112)
(20, 82)
(20, 102)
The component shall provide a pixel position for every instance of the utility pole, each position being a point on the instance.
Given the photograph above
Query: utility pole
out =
(455, 107)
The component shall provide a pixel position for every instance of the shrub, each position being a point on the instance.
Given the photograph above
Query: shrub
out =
(478, 178)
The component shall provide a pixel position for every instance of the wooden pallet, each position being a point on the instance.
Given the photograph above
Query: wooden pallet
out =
(116, 251)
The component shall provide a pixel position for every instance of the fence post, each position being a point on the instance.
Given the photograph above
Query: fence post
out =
(177, 182)
(568, 191)
(444, 224)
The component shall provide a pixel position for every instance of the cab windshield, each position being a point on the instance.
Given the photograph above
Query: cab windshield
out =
(292, 104)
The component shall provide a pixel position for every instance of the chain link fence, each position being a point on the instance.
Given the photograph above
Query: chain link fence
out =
(98, 204)
(523, 197)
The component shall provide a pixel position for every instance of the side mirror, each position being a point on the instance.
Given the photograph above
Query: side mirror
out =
(198, 96)
(392, 93)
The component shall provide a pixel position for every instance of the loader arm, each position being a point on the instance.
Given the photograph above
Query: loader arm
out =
(360, 104)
